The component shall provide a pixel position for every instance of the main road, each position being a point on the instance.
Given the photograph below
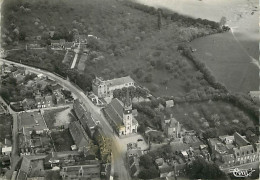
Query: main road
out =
(118, 165)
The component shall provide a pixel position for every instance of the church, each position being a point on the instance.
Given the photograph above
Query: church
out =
(120, 116)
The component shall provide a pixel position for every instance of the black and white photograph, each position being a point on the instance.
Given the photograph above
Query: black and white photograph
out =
(129, 89)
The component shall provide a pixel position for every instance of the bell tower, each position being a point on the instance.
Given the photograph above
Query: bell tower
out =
(127, 114)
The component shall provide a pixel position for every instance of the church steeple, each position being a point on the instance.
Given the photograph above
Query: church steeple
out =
(128, 103)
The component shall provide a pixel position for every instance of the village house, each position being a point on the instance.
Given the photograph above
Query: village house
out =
(79, 136)
(120, 116)
(44, 101)
(58, 97)
(85, 118)
(60, 158)
(102, 88)
(68, 45)
(233, 151)
(86, 171)
(55, 45)
(7, 148)
(171, 127)
(33, 138)
(31, 168)
(81, 39)
(133, 158)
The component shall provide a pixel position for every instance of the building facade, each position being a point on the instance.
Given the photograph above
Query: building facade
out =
(102, 88)
(120, 116)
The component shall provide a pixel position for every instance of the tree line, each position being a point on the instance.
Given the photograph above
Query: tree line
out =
(174, 16)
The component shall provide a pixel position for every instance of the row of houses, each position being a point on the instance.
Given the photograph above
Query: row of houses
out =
(92, 128)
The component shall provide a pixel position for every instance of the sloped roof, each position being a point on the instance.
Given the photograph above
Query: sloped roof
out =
(78, 108)
(78, 134)
(119, 81)
(240, 141)
(115, 111)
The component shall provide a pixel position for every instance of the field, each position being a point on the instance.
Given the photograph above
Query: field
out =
(218, 115)
(5, 127)
(228, 61)
(58, 117)
(62, 140)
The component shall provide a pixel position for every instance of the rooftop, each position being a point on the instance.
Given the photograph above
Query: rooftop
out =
(240, 140)
(115, 111)
(119, 81)
(78, 134)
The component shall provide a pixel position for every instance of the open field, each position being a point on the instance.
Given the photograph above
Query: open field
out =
(5, 127)
(62, 140)
(228, 62)
(213, 114)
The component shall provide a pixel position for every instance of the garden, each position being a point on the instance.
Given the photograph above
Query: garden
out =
(62, 140)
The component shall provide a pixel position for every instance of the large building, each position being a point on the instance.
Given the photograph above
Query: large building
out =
(232, 151)
(120, 116)
(103, 88)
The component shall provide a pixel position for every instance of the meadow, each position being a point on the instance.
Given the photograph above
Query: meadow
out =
(228, 61)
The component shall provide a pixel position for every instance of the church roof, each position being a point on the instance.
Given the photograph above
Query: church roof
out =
(115, 111)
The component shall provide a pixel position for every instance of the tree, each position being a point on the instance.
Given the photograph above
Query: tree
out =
(222, 21)
(200, 169)
(150, 173)
(159, 19)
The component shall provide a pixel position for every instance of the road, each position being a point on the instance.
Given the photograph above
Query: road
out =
(118, 155)
(14, 156)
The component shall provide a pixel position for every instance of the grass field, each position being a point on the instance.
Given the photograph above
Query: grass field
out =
(62, 140)
(216, 114)
(5, 127)
(228, 61)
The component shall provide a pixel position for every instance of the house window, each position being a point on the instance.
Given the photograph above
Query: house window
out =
(237, 154)
(128, 117)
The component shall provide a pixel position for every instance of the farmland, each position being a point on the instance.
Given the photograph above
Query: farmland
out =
(228, 62)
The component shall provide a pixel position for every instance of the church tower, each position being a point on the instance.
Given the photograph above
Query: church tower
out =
(127, 114)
